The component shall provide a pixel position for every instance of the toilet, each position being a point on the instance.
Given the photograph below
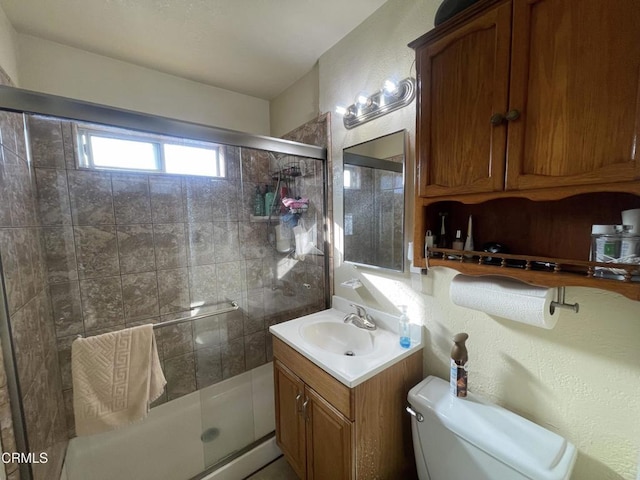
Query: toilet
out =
(471, 438)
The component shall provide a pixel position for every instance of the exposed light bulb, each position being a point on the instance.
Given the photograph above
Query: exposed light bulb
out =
(340, 110)
(390, 87)
(362, 99)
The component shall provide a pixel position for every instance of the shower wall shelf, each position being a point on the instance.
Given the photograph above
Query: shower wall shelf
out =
(542, 271)
(289, 172)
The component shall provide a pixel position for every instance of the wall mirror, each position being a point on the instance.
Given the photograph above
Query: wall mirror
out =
(373, 223)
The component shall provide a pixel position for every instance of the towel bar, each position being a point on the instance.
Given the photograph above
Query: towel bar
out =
(196, 315)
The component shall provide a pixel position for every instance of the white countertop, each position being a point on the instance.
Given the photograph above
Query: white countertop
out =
(349, 370)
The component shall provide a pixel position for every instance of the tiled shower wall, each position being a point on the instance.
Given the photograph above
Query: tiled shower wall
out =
(317, 132)
(123, 249)
(29, 307)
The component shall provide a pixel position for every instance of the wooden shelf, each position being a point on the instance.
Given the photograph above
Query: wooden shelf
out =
(537, 195)
(552, 231)
(542, 271)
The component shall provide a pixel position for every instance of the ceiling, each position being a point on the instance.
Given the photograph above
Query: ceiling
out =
(254, 47)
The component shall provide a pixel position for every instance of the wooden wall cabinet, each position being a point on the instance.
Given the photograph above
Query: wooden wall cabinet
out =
(535, 100)
(463, 79)
(529, 94)
(327, 430)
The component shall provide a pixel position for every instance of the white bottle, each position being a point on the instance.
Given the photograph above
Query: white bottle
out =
(404, 328)
(468, 244)
(429, 242)
(458, 244)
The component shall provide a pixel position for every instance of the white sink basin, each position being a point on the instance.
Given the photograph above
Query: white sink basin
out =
(327, 341)
(340, 338)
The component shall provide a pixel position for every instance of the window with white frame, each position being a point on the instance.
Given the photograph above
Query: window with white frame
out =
(351, 174)
(122, 150)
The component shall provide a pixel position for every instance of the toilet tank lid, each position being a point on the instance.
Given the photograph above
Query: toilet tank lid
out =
(523, 445)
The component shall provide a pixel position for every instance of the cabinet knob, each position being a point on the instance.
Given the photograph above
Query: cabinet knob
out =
(496, 119)
(512, 115)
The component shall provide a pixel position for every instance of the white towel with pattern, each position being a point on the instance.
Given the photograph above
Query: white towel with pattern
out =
(115, 378)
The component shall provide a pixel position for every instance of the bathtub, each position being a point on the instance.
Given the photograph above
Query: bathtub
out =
(183, 438)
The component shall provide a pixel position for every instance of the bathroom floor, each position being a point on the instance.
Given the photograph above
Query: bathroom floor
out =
(277, 470)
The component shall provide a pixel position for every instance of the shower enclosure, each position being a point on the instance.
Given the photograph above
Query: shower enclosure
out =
(87, 251)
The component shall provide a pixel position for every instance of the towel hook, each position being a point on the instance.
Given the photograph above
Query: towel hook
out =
(560, 302)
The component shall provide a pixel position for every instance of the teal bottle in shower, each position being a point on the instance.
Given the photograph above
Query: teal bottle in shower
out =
(258, 203)
(269, 199)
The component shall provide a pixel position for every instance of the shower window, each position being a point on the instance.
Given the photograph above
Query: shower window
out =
(114, 149)
(351, 178)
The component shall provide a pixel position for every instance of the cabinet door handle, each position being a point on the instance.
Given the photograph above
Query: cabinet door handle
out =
(304, 409)
(298, 409)
(512, 115)
(496, 119)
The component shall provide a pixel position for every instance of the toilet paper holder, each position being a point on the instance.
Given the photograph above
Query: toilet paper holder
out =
(561, 303)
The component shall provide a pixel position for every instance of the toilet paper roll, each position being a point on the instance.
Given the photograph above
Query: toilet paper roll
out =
(506, 298)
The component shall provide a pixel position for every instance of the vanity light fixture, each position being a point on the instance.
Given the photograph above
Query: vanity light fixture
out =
(392, 96)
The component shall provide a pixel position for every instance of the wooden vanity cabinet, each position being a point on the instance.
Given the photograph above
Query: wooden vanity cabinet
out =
(330, 440)
(529, 94)
(315, 437)
(290, 423)
(327, 430)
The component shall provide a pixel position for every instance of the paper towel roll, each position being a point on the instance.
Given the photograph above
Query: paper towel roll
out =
(506, 298)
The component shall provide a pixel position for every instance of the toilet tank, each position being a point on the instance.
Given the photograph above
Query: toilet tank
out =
(464, 438)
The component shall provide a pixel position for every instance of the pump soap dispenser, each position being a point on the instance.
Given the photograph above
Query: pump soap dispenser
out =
(404, 328)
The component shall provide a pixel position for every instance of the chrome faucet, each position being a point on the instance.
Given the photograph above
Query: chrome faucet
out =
(360, 319)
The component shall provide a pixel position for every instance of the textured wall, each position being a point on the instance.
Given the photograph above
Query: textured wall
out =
(297, 105)
(8, 42)
(581, 379)
(50, 67)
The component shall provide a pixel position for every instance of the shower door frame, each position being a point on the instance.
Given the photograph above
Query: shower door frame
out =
(28, 102)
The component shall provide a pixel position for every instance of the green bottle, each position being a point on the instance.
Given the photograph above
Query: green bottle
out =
(269, 199)
(258, 203)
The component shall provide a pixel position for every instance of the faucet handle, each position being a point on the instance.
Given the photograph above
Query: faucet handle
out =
(360, 310)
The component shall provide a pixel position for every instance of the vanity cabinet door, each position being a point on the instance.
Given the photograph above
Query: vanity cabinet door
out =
(463, 82)
(575, 78)
(290, 423)
(330, 441)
